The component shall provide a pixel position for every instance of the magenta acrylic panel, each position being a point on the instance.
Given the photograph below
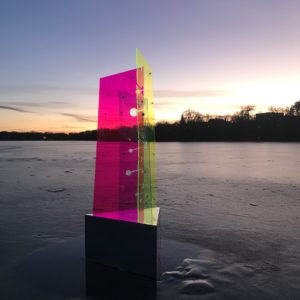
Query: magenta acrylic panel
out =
(115, 192)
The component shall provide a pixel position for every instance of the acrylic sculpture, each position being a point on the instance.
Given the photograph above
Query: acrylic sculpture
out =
(125, 205)
(125, 158)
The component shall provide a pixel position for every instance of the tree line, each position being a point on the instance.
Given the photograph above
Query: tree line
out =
(278, 124)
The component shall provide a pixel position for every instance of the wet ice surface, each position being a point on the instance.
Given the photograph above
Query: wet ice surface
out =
(230, 219)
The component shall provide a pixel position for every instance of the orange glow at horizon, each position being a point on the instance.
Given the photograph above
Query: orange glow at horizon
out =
(76, 117)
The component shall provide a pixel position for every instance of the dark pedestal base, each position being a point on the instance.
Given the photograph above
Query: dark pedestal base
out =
(111, 283)
(127, 246)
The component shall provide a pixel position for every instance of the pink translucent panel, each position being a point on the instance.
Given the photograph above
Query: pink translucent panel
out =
(116, 177)
(124, 215)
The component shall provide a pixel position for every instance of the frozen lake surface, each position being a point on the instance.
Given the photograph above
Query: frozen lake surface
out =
(230, 220)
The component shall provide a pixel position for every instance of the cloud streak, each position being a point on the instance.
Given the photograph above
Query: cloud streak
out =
(47, 89)
(78, 117)
(32, 104)
(50, 89)
(190, 94)
(15, 109)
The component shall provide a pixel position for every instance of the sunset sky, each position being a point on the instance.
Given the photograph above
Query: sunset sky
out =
(208, 55)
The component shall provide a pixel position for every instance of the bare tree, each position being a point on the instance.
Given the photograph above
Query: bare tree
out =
(244, 114)
(191, 116)
(283, 110)
(295, 109)
(207, 117)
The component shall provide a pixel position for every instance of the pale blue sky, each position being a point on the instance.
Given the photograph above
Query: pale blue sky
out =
(208, 55)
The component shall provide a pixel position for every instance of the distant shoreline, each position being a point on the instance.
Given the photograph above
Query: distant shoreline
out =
(264, 127)
(51, 139)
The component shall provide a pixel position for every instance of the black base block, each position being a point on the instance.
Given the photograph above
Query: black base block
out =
(111, 283)
(127, 246)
